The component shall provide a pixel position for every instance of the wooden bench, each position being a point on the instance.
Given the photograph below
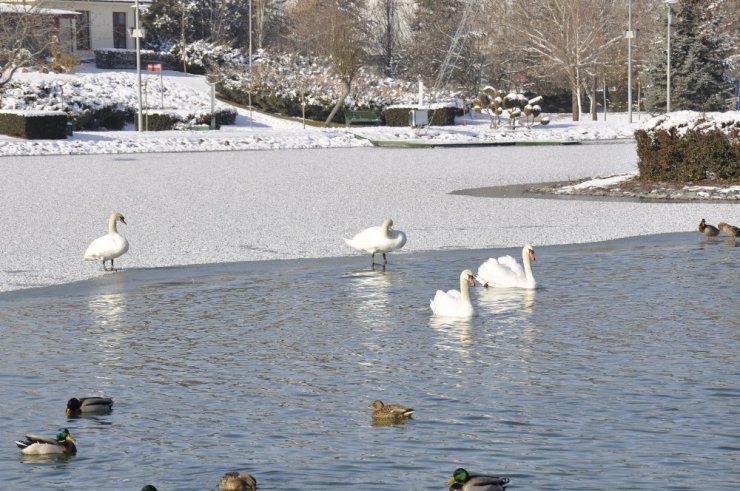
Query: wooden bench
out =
(351, 117)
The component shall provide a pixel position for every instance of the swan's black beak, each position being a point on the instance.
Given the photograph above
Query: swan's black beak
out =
(123, 221)
(531, 255)
(471, 280)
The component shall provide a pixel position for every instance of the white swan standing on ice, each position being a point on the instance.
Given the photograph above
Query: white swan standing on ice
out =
(109, 246)
(378, 240)
(505, 272)
(455, 303)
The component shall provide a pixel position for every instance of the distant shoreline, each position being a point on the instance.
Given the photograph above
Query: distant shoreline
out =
(631, 190)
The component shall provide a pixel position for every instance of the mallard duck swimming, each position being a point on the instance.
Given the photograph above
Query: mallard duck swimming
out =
(63, 443)
(89, 405)
(392, 412)
(237, 481)
(378, 239)
(708, 230)
(730, 230)
(462, 480)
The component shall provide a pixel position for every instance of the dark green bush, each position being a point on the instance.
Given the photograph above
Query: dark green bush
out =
(696, 155)
(443, 116)
(126, 58)
(163, 120)
(34, 125)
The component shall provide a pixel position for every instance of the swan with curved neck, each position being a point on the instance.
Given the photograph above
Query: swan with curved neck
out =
(454, 303)
(109, 246)
(376, 240)
(505, 272)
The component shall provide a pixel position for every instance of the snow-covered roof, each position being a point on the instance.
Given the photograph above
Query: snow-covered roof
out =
(6, 8)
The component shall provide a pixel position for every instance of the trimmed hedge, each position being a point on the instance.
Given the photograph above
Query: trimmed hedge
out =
(34, 125)
(126, 58)
(443, 116)
(164, 120)
(666, 155)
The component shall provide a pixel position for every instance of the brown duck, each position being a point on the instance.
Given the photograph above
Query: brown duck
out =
(708, 230)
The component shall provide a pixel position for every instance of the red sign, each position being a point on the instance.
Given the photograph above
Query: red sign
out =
(154, 67)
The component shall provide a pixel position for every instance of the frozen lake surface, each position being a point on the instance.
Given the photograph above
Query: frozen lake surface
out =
(620, 372)
(288, 204)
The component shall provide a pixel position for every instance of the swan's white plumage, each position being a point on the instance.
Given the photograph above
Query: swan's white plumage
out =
(454, 303)
(506, 272)
(109, 246)
(378, 239)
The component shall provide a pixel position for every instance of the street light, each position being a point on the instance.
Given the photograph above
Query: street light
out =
(629, 34)
(668, 4)
(137, 34)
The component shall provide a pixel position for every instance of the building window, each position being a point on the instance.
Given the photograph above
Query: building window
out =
(83, 30)
(119, 30)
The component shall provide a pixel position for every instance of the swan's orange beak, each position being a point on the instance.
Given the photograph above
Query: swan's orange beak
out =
(531, 256)
(471, 281)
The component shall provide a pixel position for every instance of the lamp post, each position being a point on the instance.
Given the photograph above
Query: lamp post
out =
(668, 62)
(137, 34)
(629, 34)
(251, 119)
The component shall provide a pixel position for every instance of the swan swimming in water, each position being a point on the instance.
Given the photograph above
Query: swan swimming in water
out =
(378, 240)
(109, 246)
(505, 272)
(455, 303)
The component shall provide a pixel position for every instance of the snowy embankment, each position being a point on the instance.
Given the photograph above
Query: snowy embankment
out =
(200, 208)
(253, 130)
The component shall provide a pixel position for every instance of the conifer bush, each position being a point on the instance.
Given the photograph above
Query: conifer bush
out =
(693, 147)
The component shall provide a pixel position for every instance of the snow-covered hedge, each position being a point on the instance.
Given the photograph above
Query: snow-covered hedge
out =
(684, 122)
(690, 146)
(34, 125)
(284, 83)
(104, 100)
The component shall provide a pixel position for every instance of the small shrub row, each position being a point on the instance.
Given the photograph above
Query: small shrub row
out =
(164, 120)
(126, 58)
(441, 116)
(34, 125)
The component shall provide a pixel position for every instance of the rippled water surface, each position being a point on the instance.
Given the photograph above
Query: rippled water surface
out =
(620, 372)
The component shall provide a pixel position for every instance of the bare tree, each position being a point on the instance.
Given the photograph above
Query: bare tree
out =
(27, 34)
(570, 37)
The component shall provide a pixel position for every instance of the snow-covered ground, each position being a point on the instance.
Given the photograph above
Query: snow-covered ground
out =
(185, 203)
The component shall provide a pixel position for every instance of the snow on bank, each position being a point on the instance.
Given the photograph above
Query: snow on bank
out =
(253, 130)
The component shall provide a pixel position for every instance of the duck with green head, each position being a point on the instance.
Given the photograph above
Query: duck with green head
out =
(464, 481)
(62, 443)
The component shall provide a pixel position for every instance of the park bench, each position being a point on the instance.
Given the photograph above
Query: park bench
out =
(351, 117)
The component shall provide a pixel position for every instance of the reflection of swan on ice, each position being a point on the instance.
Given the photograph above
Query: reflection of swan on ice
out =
(455, 303)
(505, 272)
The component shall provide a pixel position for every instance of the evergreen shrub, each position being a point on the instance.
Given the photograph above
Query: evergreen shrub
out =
(126, 58)
(441, 116)
(34, 125)
(681, 154)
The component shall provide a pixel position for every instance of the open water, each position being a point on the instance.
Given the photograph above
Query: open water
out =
(620, 372)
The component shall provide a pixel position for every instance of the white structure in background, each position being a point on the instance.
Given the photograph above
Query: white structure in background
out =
(99, 24)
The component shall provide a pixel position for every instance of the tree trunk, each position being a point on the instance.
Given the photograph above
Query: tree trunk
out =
(340, 102)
